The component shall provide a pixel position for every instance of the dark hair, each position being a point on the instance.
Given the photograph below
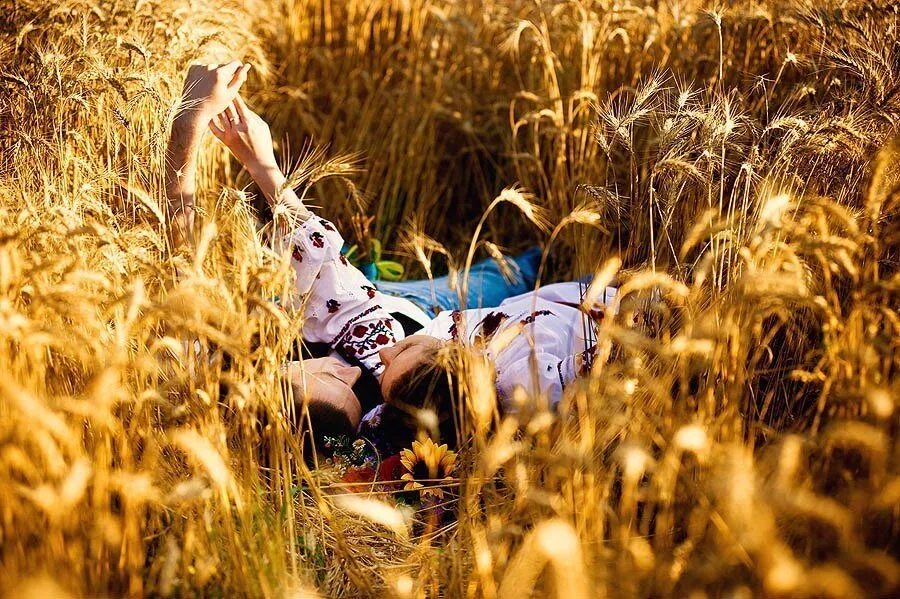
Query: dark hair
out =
(325, 421)
(430, 384)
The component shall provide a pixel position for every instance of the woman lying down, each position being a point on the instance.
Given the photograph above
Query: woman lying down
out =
(538, 341)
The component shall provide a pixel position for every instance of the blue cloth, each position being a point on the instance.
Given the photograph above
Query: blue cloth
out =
(487, 287)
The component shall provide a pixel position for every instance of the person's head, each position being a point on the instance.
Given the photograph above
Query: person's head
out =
(417, 379)
(325, 384)
(404, 358)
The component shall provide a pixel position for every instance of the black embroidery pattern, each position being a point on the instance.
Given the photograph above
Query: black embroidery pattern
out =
(297, 254)
(366, 339)
(326, 225)
(352, 321)
(361, 340)
(533, 316)
(318, 240)
(370, 291)
(587, 360)
(333, 306)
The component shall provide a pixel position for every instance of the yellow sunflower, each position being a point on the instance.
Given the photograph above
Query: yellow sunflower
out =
(427, 464)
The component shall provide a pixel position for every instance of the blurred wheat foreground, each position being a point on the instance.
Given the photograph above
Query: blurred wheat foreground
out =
(731, 166)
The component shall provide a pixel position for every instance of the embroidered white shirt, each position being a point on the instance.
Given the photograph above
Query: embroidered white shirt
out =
(540, 340)
(340, 305)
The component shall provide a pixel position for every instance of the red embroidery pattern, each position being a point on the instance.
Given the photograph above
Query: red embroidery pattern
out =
(297, 254)
(370, 291)
(456, 316)
(361, 340)
(318, 240)
(489, 325)
(333, 306)
(491, 322)
(326, 225)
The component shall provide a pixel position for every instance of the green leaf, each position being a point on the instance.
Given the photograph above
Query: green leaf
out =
(376, 250)
(388, 270)
(352, 255)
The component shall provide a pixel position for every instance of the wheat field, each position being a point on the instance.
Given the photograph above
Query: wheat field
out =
(734, 167)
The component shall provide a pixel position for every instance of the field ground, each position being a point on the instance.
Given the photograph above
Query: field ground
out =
(733, 166)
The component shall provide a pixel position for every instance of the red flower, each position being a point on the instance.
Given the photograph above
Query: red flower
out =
(382, 339)
(390, 469)
(317, 239)
(359, 330)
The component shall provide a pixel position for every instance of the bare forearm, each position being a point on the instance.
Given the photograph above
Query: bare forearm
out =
(181, 174)
(248, 137)
(271, 180)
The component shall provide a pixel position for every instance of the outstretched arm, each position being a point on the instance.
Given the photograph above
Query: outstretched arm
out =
(181, 169)
(341, 307)
(247, 135)
(208, 90)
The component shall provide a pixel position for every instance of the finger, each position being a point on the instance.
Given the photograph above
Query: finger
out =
(239, 76)
(241, 108)
(230, 68)
(218, 132)
(232, 115)
(222, 122)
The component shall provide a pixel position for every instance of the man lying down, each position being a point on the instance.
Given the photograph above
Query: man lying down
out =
(390, 335)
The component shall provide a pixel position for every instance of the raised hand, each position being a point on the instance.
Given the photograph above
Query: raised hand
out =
(247, 135)
(209, 89)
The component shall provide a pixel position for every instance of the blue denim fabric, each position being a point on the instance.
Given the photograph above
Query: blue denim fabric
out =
(487, 287)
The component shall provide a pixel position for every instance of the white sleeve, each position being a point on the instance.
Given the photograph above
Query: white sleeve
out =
(551, 376)
(341, 306)
(544, 380)
(444, 326)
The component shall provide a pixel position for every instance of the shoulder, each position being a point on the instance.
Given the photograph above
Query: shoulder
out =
(445, 325)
